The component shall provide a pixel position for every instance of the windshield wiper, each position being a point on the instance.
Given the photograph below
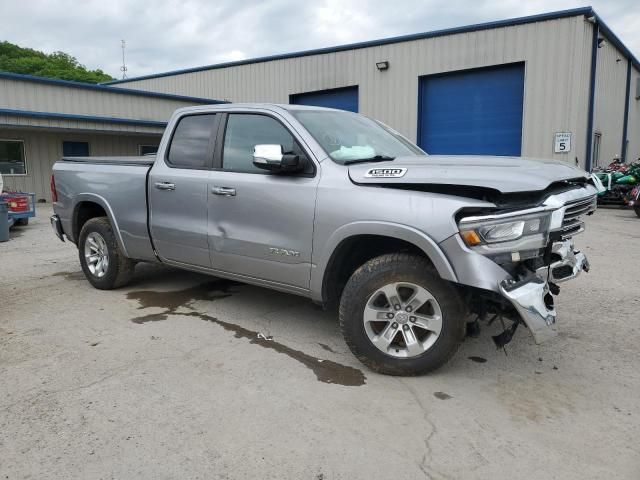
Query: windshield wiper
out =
(376, 158)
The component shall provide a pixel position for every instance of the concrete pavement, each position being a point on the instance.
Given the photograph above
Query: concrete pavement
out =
(180, 375)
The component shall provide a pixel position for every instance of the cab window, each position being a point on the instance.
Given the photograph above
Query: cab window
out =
(191, 143)
(244, 132)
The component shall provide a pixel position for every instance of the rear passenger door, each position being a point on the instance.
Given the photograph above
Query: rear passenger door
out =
(261, 223)
(178, 192)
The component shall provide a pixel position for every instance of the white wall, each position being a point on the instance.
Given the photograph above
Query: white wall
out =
(633, 128)
(60, 98)
(16, 121)
(608, 119)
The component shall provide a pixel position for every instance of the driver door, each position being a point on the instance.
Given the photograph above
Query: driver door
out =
(260, 223)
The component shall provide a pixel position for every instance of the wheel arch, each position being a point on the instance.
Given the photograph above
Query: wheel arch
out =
(386, 237)
(88, 206)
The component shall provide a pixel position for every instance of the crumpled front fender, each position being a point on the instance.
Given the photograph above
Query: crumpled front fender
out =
(531, 296)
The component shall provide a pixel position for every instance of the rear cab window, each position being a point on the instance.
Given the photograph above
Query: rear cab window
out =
(192, 142)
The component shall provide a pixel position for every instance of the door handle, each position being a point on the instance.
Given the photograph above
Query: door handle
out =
(224, 191)
(165, 186)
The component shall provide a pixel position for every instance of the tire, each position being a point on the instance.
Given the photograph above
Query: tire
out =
(363, 299)
(637, 210)
(97, 240)
(22, 222)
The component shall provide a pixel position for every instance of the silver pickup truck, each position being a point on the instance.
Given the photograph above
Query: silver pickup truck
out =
(412, 249)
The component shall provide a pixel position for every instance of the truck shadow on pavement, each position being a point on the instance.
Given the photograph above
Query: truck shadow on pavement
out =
(181, 303)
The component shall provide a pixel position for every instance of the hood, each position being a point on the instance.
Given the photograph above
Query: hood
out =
(504, 174)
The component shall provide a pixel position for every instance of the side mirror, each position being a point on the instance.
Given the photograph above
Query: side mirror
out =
(271, 157)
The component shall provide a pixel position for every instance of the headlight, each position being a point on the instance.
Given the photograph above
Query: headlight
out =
(478, 231)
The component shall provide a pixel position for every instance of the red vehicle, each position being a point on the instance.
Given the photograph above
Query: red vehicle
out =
(21, 207)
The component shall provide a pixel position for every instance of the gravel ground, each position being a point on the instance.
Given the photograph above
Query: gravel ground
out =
(172, 377)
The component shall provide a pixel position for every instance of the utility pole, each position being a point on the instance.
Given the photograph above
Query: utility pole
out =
(123, 68)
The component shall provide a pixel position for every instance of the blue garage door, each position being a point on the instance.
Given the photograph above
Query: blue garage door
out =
(341, 98)
(477, 112)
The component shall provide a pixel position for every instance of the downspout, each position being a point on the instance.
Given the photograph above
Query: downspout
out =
(625, 124)
(592, 95)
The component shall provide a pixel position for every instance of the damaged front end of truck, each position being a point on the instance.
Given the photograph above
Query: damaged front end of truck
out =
(532, 251)
(513, 245)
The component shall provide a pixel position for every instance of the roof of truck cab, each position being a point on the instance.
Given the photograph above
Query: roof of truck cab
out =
(249, 106)
(266, 106)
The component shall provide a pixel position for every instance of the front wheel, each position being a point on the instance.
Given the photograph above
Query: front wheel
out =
(637, 210)
(399, 317)
(102, 261)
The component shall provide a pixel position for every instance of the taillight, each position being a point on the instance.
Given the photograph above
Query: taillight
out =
(54, 193)
(19, 204)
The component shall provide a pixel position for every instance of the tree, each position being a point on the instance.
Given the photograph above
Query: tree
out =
(16, 59)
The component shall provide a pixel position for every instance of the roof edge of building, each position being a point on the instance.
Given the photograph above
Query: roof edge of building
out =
(613, 38)
(86, 118)
(105, 88)
(587, 11)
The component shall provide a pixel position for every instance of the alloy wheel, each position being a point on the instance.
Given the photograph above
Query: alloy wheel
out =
(402, 319)
(96, 254)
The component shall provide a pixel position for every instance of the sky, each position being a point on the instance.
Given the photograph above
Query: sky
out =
(164, 35)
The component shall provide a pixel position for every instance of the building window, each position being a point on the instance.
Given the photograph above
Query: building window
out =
(75, 149)
(12, 157)
(147, 149)
(596, 149)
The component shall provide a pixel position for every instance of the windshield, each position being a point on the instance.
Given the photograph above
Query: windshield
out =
(348, 137)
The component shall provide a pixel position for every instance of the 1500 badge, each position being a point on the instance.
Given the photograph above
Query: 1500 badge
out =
(386, 172)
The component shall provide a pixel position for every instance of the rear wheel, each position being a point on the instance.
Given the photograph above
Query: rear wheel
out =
(399, 317)
(21, 222)
(637, 210)
(102, 261)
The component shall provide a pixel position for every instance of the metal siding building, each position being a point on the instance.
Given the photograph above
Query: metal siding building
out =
(556, 50)
(633, 127)
(40, 115)
(503, 87)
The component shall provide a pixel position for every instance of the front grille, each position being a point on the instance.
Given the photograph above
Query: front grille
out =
(572, 223)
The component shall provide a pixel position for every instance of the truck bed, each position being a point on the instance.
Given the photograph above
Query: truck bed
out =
(118, 185)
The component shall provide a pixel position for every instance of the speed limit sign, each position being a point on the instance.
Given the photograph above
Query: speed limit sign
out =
(562, 142)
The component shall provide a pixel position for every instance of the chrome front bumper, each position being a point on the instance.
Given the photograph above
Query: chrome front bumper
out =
(533, 300)
(529, 300)
(570, 265)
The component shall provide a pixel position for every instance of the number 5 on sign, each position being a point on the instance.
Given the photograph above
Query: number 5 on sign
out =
(562, 142)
